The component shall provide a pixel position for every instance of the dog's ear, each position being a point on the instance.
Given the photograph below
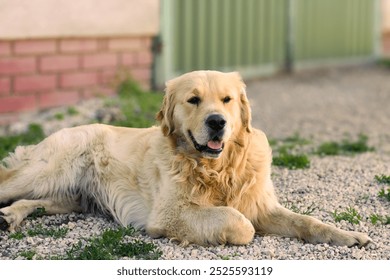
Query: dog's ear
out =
(165, 115)
(246, 115)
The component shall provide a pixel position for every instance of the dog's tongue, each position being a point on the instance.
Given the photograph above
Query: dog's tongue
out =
(214, 145)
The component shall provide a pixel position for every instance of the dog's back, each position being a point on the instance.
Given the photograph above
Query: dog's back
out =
(91, 167)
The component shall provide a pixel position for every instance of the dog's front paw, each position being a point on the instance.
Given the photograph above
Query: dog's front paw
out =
(240, 230)
(208, 226)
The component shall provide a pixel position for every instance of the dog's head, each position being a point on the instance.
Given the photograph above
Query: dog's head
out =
(205, 110)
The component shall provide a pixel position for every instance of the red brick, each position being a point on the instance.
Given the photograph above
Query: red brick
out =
(125, 44)
(78, 45)
(144, 58)
(59, 62)
(5, 48)
(103, 44)
(147, 43)
(129, 59)
(35, 83)
(17, 65)
(141, 74)
(54, 99)
(99, 60)
(35, 46)
(5, 86)
(17, 103)
(78, 79)
(108, 76)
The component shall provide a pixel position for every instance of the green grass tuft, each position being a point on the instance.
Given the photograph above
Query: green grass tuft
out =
(346, 147)
(350, 215)
(375, 219)
(385, 62)
(29, 254)
(286, 152)
(111, 245)
(59, 116)
(356, 147)
(291, 161)
(72, 111)
(384, 194)
(328, 149)
(48, 232)
(382, 179)
(139, 107)
(17, 235)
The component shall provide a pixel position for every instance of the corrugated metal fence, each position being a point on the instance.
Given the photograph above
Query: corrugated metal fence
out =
(258, 37)
(333, 29)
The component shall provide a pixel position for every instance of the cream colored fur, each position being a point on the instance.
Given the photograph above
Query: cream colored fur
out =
(155, 179)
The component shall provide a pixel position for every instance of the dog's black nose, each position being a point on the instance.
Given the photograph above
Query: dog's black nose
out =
(216, 122)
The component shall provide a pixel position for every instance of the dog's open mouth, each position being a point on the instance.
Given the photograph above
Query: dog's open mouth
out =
(214, 146)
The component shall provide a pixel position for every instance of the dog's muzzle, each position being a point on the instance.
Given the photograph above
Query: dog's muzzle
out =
(216, 128)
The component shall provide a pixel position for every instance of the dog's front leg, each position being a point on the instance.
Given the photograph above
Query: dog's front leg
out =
(284, 222)
(202, 225)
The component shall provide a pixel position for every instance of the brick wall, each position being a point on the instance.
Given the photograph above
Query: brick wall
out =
(39, 74)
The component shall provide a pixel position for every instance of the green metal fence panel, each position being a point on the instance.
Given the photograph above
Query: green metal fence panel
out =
(263, 36)
(248, 36)
(332, 29)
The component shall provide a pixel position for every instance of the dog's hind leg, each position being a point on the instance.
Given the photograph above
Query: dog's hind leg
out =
(18, 171)
(20, 184)
(39, 178)
(13, 215)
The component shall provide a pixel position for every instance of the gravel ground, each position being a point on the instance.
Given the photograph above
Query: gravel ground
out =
(327, 105)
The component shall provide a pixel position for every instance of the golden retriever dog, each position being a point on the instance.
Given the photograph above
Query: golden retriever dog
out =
(203, 176)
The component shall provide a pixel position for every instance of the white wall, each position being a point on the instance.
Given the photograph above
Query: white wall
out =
(77, 18)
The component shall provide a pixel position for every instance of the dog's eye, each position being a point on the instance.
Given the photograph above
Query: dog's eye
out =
(227, 99)
(194, 100)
